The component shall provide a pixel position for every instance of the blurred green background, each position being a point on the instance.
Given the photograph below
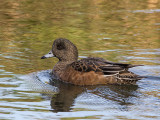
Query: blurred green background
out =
(102, 28)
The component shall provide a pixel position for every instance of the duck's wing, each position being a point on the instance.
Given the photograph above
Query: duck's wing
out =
(100, 65)
(93, 71)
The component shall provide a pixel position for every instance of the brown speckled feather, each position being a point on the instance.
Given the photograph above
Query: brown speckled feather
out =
(99, 65)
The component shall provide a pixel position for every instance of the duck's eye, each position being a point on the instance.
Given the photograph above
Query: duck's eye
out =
(60, 46)
(49, 53)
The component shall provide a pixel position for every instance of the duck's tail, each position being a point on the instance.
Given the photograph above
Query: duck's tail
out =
(130, 65)
(127, 77)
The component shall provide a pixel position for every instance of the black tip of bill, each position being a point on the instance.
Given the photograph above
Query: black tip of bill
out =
(43, 57)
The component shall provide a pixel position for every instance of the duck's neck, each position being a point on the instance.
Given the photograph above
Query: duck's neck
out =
(60, 66)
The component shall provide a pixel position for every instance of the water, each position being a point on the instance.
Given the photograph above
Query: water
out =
(120, 31)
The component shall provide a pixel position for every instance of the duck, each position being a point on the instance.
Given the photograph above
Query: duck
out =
(87, 71)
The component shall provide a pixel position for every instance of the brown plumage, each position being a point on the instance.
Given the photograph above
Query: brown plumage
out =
(87, 71)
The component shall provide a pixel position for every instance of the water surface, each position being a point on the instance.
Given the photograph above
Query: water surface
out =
(120, 31)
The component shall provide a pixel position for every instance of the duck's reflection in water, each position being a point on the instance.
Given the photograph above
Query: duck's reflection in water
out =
(122, 95)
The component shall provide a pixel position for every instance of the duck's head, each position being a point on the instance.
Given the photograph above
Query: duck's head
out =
(63, 49)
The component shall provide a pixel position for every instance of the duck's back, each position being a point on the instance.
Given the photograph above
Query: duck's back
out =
(94, 71)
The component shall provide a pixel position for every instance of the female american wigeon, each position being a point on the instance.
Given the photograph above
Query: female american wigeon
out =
(87, 71)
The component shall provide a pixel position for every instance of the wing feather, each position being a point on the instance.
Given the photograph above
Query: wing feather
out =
(98, 65)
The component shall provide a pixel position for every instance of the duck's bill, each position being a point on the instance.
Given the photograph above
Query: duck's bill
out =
(48, 55)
